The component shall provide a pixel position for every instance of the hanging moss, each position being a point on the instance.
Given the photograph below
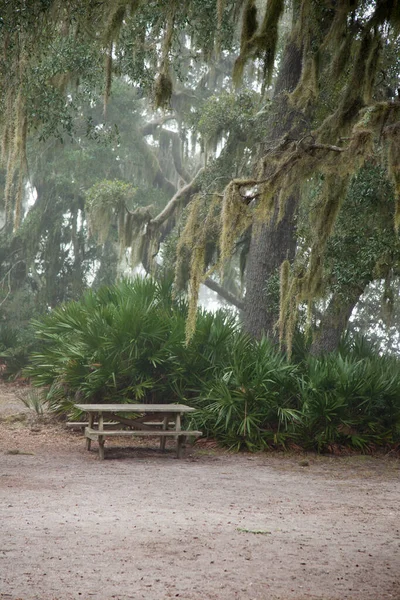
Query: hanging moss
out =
(392, 133)
(249, 24)
(7, 121)
(267, 38)
(105, 201)
(115, 21)
(220, 17)
(306, 91)
(197, 265)
(262, 42)
(341, 57)
(352, 100)
(235, 219)
(163, 85)
(162, 90)
(15, 146)
(284, 295)
(186, 238)
(371, 69)
(288, 307)
(326, 210)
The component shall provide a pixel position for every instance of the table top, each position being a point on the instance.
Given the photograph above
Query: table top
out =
(136, 408)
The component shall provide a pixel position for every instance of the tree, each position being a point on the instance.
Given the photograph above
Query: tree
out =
(337, 109)
(351, 265)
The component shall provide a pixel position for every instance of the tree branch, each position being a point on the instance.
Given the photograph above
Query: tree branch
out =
(295, 156)
(221, 291)
(149, 128)
(329, 147)
(182, 196)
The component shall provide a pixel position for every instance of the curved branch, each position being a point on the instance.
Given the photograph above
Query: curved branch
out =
(182, 196)
(297, 153)
(221, 291)
(149, 128)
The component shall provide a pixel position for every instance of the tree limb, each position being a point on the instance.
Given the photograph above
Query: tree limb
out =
(182, 196)
(221, 291)
(295, 156)
(329, 147)
(149, 128)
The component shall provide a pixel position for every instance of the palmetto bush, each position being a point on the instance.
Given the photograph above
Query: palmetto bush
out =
(252, 399)
(257, 399)
(16, 344)
(107, 347)
(125, 343)
(352, 401)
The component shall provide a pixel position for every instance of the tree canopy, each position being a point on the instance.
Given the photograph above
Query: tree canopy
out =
(316, 100)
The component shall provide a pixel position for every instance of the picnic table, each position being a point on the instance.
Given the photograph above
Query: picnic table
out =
(144, 420)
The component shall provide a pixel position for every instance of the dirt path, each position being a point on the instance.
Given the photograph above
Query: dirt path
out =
(213, 526)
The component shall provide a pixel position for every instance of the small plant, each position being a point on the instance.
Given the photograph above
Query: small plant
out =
(255, 531)
(35, 400)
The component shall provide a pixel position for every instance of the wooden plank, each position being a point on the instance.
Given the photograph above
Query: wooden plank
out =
(101, 422)
(134, 423)
(94, 433)
(101, 434)
(178, 425)
(83, 424)
(91, 436)
(139, 408)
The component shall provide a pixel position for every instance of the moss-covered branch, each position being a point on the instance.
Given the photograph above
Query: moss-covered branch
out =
(223, 293)
(180, 198)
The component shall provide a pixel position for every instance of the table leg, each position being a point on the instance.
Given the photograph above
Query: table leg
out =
(181, 445)
(91, 421)
(101, 437)
(180, 438)
(164, 428)
(101, 447)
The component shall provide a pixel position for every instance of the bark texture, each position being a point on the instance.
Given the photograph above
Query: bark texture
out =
(334, 321)
(273, 242)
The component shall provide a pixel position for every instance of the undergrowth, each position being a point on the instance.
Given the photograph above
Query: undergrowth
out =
(126, 343)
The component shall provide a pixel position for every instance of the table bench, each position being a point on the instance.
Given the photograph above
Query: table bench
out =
(147, 420)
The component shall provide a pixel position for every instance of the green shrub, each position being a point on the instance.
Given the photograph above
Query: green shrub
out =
(350, 401)
(126, 343)
(252, 398)
(16, 345)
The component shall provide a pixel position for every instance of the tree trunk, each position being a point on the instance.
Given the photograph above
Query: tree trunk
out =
(273, 242)
(269, 247)
(334, 322)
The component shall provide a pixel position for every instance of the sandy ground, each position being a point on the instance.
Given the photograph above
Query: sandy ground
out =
(213, 526)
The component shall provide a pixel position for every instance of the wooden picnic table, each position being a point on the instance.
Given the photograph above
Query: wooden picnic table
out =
(161, 420)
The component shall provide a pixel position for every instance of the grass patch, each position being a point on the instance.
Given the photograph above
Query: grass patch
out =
(255, 531)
